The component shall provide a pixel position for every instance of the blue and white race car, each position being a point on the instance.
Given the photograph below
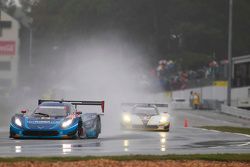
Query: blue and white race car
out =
(57, 119)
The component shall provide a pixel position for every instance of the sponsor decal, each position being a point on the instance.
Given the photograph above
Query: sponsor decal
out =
(7, 48)
(43, 122)
(220, 83)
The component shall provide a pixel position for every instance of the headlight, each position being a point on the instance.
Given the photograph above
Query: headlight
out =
(67, 122)
(126, 118)
(164, 119)
(18, 122)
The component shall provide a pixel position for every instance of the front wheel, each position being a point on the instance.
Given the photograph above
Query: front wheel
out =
(167, 128)
(11, 135)
(81, 133)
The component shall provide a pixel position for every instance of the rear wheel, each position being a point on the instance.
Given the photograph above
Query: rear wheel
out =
(99, 125)
(98, 128)
(97, 135)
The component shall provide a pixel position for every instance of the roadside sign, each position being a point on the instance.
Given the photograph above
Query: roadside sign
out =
(7, 48)
(220, 83)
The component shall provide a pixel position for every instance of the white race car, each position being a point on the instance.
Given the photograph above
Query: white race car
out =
(145, 116)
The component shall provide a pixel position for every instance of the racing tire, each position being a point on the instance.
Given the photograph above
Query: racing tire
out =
(167, 128)
(81, 131)
(12, 135)
(98, 128)
(96, 137)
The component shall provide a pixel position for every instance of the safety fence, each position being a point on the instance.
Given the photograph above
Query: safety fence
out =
(235, 111)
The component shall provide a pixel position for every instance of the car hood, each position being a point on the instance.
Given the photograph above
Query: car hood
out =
(42, 123)
(144, 117)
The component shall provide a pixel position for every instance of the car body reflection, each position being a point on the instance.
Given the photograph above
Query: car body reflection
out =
(163, 141)
(18, 149)
(66, 148)
(125, 145)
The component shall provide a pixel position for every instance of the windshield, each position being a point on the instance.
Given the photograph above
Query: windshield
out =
(52, 111)
(145, 110)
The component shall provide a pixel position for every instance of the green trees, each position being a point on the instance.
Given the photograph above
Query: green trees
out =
(175, 29)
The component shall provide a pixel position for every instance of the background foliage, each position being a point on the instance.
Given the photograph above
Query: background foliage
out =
(173, 29)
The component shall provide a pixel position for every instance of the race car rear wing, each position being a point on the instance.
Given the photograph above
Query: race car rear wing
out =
(145, 104)
(76, 102)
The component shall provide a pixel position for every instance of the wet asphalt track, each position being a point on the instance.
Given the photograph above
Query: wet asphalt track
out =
(179, 140)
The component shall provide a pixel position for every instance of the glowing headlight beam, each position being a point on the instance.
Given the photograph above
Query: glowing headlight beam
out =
(18, 122)
(164, 119)
(67, 123)
(126, 118)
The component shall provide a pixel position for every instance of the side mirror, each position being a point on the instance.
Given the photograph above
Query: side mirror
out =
(24, 111)
(78, 112)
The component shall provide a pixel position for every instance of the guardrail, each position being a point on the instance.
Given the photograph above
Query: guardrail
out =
(211, 104)
(235, 111)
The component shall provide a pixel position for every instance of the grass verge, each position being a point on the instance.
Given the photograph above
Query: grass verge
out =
(228, 129)
(207, 157)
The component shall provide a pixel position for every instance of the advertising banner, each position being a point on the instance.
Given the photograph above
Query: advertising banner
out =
(7, 48)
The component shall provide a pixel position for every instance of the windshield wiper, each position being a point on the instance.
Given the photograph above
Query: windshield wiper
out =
(43, 114)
